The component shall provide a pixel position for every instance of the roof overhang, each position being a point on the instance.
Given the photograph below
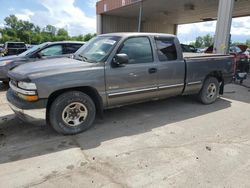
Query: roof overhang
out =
(177, 11)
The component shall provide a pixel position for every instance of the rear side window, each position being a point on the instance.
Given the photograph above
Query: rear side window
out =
(138, 50)
(166, 49)
(72, 48)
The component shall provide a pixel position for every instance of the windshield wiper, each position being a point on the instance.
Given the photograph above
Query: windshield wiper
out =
(84, 58)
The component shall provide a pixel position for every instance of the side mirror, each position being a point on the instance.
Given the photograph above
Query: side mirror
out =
(39, 55)
(120, 59)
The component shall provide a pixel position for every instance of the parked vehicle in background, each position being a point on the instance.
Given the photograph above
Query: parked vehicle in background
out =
(43, 51)
(241, 65)
(201, 50)
(242, 62)
(247, 52)
(113, 70)
(14, 48)
(1, 50)
(188, 48)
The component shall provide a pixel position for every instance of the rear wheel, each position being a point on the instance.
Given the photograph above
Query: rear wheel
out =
(72, 112)
(210, 91)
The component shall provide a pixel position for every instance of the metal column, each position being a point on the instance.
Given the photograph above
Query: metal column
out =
(223, 26)
(98, 24)
(140, 17)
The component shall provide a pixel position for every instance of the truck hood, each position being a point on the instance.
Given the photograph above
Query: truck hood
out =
(49, 67)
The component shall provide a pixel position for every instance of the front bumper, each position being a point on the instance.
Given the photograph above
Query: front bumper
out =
(33, 112)
(37, 116)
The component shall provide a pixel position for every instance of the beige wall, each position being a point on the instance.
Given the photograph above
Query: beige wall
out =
(112, 24)
(158, 27)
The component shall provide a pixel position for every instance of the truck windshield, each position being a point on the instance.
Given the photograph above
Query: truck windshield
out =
(97, 49)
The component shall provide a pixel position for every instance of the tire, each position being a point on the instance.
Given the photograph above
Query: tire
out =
(72, 112)
(210, 91)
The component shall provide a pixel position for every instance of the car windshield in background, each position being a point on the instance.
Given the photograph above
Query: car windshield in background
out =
(16, 45)
(97, 49)
(235, 49)
(33, 49)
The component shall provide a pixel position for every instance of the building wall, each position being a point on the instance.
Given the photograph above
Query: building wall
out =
(107, 5)
(111, 24)
(158, 27)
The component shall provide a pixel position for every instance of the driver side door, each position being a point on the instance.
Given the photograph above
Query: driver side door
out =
(135, 81)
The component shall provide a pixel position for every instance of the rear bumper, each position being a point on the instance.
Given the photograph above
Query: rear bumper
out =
(33, 112)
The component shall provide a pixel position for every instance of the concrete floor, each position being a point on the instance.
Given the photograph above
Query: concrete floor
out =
(171, 143)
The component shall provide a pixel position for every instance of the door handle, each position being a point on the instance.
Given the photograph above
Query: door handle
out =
(152, 70)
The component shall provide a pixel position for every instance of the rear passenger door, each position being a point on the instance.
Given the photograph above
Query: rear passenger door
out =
(136, 80)
(171, 67)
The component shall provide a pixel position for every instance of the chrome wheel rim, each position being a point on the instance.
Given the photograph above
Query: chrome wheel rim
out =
(211, 91)
(74, 114)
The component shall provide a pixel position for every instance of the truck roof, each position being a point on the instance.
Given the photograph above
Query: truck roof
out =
(128, 34)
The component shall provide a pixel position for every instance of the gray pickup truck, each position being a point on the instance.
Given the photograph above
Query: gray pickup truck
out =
(112, 70)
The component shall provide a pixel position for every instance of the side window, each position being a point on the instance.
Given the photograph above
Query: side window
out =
(72, 48)
(52, 50)
(138, 50)
(166, 49)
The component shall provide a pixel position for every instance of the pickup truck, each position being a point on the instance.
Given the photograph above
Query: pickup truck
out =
(14, 48)
(113, 70)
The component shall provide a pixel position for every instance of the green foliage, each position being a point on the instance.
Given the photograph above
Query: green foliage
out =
(201, 42)
(207, 40)
(19, 30)
(248, 43)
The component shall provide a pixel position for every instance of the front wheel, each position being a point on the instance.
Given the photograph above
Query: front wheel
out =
(72, 112)
(210, 91)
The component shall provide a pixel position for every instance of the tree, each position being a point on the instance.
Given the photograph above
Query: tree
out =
(12, 22)
(248, 43)
(198, 42)
(207, 40)
(62, 32)
(25, 31)
(201, 42)
(50, 29)
(88, 37)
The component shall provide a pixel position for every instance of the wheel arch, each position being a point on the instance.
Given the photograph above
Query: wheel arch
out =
(219, 76)
(90, 91)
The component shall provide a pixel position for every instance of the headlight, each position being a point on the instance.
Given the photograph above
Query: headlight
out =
(3, 63)
(27, 86)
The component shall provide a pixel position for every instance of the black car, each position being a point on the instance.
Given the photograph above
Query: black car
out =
(14, 48)
(38, 52)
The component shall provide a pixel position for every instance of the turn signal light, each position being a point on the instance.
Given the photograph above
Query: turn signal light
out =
(29, 98)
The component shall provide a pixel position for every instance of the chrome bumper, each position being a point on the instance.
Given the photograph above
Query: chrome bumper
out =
(32, 115)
